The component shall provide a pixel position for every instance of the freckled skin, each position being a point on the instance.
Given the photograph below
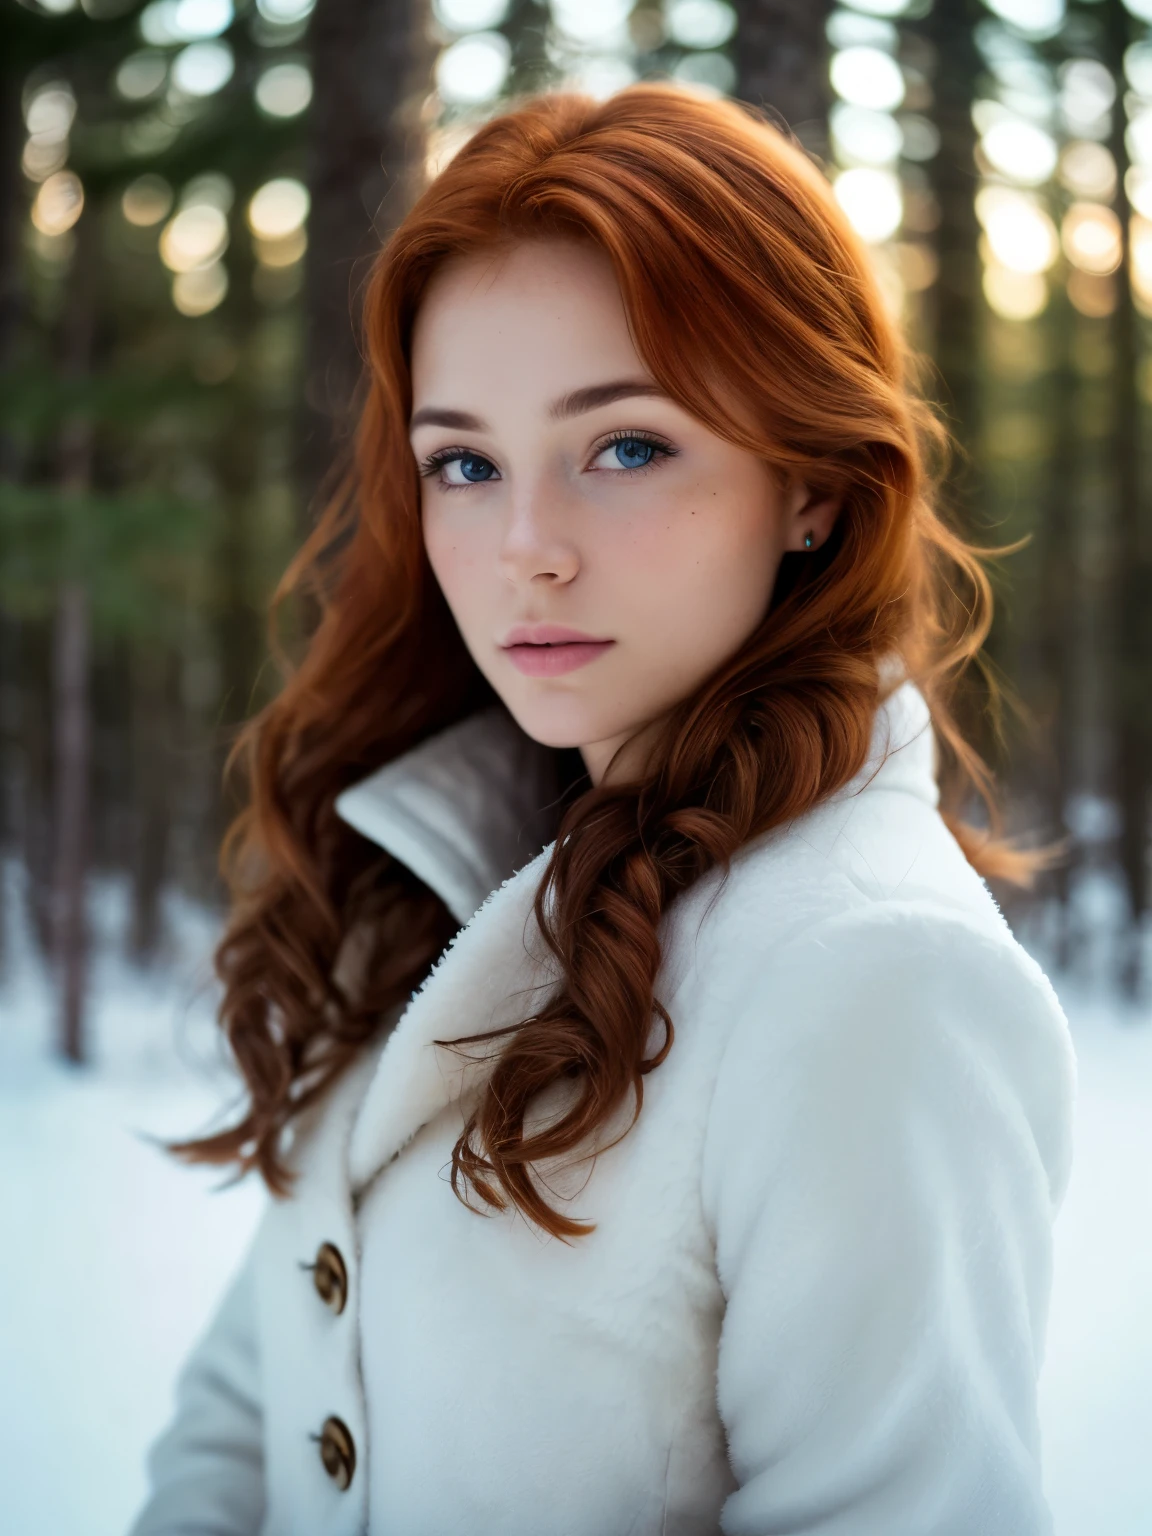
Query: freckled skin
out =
(561, 531)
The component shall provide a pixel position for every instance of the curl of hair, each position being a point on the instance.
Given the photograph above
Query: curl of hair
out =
(752, 304)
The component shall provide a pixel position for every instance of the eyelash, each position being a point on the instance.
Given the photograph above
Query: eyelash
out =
(435, 462)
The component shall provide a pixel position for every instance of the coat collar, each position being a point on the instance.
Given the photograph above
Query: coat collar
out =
(462, 810)
(469, 811)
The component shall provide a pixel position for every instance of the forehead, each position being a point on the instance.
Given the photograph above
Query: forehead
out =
(538, 315)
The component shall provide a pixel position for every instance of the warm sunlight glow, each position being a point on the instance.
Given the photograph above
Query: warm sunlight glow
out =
(1020, 150)
(196, 236)
(1015, 295)
(279, 208)
(1020, 234)
(873, 201)
(1087, 169)
(1092, 238)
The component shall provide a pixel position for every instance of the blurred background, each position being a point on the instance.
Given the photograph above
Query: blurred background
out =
(190, 192)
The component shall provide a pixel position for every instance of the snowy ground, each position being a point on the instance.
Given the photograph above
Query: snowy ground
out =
(114, 1255)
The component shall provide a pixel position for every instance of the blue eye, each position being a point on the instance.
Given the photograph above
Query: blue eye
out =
(634, 452)
(465, 469)
(473, 467)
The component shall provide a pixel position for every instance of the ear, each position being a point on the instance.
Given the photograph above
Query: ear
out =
(808, 512)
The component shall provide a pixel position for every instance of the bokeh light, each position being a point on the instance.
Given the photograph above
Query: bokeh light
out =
(600, 74)
(58, 203)
(1138, 185)
(848, 29)
(278, 208)
(700, 23)
(285, 13)
(603, 22)
(1087, 169)
(1138, 137)
(712, 73)
(200, 290)
(474, 69)
(165, 22)
(470, 15)
(1138, 67)
(1020, 150)
(1092, 295)
(920, 135)
(872, 200)
(211, 187)
(142, 74)
(865, 136)
(1015, 295)
(918, 264)
(1087, 94)
(284, 90)
(1020, 233)
(146, 201)
(284, 252)
(1035, 18)
(882, 7)
(867, 77)
(1092, 238)
(202, 69)
(1140, 235)
(48, 117)
(193, 237)
(50, 113)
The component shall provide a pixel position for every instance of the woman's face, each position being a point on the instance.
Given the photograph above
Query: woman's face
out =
(601, 550)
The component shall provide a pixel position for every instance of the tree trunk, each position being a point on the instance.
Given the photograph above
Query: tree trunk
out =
(370, 67)
(73, 753)
(1133, 568)
(781, 58)
(949, 28)
(71, 705)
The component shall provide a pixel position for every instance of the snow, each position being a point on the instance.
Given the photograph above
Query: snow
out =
(1096, 1385)
(115, 1253)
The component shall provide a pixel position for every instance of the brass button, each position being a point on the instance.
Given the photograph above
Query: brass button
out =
(330, 1278)
(338, 1452)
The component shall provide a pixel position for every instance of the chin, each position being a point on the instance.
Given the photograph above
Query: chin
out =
(556, 723)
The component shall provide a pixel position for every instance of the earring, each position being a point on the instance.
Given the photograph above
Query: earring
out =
(807, 541)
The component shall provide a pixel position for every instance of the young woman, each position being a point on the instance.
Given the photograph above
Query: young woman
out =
(666, 1126)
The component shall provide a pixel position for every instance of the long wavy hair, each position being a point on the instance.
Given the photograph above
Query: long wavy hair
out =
(742, 280)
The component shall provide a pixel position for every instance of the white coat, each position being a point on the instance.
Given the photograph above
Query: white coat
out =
(816, 1294)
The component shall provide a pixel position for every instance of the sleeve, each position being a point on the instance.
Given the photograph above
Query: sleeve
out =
(887, 1146)
(206, 1471)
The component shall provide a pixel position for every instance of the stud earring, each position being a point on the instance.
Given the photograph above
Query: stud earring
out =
(807, 541)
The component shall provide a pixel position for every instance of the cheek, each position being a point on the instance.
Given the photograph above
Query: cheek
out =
(454, 552)
(706, 567)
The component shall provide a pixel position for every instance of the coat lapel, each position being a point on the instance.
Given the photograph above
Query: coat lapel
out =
(463, 810)
(495, 971)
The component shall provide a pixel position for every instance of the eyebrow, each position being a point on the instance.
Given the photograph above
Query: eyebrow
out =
(576, 403)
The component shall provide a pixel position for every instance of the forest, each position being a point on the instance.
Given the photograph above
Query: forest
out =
(190, 194)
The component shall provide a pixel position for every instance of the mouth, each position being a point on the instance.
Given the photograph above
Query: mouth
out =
(551, 658)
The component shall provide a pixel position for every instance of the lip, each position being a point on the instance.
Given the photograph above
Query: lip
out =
(548, 650)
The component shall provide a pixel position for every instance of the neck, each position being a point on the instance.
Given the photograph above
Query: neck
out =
(623, 758)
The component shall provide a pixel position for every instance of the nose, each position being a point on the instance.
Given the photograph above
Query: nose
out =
(537, 543)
